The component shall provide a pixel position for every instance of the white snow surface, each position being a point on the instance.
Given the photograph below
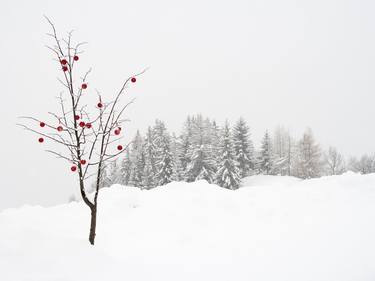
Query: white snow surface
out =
(272, 228)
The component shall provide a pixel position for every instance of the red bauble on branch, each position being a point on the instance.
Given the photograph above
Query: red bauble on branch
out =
(42, 124)
(63, 61)
(82, 124)
(117, 132)
(83, 162)
(65, 68)
(60, 128)
(88, 125)
(119, 147)
(84, 86)
(41, 140)
(76, 58)
(73, 168)
(100, 105)
(76, 117)
(133, 79)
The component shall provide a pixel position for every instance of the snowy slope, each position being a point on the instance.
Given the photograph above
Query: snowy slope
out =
(271, 229)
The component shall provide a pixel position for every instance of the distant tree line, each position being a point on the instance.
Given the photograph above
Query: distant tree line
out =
(224, 155)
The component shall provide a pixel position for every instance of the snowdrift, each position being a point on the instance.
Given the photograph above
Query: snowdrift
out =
(272, 228)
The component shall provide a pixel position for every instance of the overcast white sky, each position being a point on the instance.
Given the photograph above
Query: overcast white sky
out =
(297, 63)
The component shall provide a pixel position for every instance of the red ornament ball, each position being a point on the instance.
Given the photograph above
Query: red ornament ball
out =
(76, 58)
(42, 124)
(119, 147)
(41, 140)
(117, 132)
(88, 125)
(133, 79)
(83, 162)
(82, 124)
(63, 61)
(73, 168)
(100, 105)
(84, 86)
(76, 117)
(65, 68)
(60, 128)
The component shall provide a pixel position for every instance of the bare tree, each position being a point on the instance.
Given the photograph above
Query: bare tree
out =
(365, 165)
(335, 162)
(87, 137)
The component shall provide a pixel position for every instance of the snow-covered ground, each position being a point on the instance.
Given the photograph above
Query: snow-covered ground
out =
(271, 229)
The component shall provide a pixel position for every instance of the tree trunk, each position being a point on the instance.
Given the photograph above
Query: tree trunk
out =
(93, 225)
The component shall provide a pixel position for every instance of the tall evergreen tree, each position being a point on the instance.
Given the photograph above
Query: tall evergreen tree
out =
(105, 180)
(148, 179)
(164, 157)
(227, 174)
(149, 171)
(266, 159)
(243, 148)
(114, 173)
(201, 164)
(186, 143)
(126, 168)
(178, 174)
(138, 161)
(215, 142)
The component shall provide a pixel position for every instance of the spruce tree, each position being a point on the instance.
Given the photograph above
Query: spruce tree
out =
(164, 157)
(178, 174)
(126, 168)
(201, 164)
(148, 180)
(114, 173)
(213, 141)
(149, 151)
(185, 143)
(266, 159)
(138, 161)
(227, 174)
(243, 148)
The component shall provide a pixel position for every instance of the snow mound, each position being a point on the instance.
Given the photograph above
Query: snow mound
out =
(263, 180)
(275, 228)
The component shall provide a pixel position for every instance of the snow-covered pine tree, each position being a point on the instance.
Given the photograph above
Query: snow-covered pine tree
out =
(149, 171)
(105, 180)
(201, 165)
(114, 173)
(178, 174)
(138, 161)
(148, 179)
(185, 143)
(213, 141)
(164, 157)
(243, 148)
(227, 175)
(265, 158)
(309, 163)
(126, 168)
